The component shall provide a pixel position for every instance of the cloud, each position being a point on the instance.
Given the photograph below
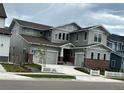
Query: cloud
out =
(58, 14)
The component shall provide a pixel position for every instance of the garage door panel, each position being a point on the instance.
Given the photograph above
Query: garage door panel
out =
(79, 59)
(51, 57)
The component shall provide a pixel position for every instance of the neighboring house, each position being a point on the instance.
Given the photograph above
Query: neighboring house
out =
(67, 44)
(116, 43)
(4, 36)
(94, 42)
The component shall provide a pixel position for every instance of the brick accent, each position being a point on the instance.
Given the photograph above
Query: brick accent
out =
(96, 64)
(30, 58)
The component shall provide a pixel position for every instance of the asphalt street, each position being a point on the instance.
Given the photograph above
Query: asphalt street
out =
(58, 85)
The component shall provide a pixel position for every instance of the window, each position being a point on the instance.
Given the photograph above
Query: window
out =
(113, 63)
(115, 45)
(109, 44)
(120, 46)
(104, 57)
(59, 35)
(67, 37)
(55, 36)
(92, 55)
(98, 57)
(85, 36)
(77, 36)
(97, 37)
(49, 34)
(63, 36)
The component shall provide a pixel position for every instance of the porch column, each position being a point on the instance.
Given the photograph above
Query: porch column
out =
(61, 54)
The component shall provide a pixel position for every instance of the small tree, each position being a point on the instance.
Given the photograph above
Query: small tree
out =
(41, 53)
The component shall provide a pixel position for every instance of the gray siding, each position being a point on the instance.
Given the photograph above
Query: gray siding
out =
(93, 32)
(16, 28)
(81, 41)
(19, 44)
(30, 32)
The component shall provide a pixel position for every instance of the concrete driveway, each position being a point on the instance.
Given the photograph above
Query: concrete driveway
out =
(69, 70)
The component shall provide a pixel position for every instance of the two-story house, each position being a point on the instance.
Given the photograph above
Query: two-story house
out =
(67, 44)
(4, 36)
(93, 41)
(116, 43)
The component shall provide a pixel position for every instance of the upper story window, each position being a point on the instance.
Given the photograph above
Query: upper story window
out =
(77, 36)
(97, 37)
(120, 46)
(60, 35)
(56, 36)
(92, 55)
(66, 36)
(49, 34)
(109, 44)
(85, 36)
(63, 38)
(115, 45)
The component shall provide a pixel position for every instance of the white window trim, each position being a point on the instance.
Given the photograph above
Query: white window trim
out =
(97, 34)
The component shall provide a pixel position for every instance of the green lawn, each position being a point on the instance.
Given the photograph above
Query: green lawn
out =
(48, 76)
(14, 68)
(35, 66)
(118, 78)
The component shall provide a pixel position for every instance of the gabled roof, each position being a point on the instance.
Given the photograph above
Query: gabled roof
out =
(5, 31)
(31, 25)
(114, 37)
(2, 11)
(39, 41)
(92, 45)
(92, 27)
(73, 23)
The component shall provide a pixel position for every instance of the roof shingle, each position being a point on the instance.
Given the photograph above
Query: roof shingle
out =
(116, 38)
(2, 11)
(32, 25)
(5, 31)
(39, 40)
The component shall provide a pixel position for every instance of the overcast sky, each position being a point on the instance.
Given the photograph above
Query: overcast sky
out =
(109, 15)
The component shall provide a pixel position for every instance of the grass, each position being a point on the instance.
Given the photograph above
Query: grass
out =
(118, 78)
(82, 70)
(48, 76)
(14, 68)
(35, 66)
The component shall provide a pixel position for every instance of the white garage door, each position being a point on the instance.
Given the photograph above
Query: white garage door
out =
(79, 59)
(51, 57)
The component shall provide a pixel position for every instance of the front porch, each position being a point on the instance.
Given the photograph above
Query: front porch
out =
(67, 57)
